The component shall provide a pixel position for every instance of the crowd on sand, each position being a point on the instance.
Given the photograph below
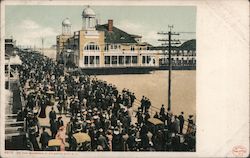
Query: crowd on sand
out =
(96, 108)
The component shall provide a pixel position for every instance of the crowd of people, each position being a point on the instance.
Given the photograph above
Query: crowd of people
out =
(96, 108)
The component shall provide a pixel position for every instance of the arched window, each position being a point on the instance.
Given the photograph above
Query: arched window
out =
(91, 46)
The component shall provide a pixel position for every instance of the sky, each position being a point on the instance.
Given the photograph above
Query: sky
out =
(28, 24)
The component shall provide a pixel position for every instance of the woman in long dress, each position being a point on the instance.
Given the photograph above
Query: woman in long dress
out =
(43, 108)
(61, 135)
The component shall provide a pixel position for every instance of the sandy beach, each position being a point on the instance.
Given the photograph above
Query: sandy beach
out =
(155, 87)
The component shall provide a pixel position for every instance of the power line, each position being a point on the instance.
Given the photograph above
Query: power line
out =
(188, 32)
(169, 41)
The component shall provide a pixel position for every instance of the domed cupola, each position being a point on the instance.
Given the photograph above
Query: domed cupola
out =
(88, 13)
(66, 27)
(88, 18)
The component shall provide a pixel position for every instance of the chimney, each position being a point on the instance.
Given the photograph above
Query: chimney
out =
(110, 25)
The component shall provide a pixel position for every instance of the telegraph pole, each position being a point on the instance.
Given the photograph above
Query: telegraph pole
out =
(169, 42)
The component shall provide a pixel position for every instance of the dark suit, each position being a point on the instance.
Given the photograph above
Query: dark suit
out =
(181, 118)
(53, 128)
(52, 115)
(44, 139)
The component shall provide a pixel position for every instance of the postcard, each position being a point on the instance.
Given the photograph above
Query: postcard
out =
(124, 78)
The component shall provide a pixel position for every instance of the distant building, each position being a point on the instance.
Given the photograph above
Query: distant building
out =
(10, 45)
(104, 46)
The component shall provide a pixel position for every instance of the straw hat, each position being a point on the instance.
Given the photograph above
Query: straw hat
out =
(85, 113)
(100, 130)
(116, 132)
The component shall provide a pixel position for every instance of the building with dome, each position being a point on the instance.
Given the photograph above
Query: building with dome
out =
(104, 46)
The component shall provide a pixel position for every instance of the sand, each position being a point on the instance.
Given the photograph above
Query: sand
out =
(155, 87)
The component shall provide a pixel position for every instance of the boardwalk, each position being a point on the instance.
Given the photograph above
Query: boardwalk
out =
(107, 110)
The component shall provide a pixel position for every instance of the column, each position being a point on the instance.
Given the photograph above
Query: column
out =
(88, 61)
(110, 61)
(117, 60)
(131, 60)
(124, 60)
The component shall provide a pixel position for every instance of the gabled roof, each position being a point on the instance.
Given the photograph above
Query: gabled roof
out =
(115, 36)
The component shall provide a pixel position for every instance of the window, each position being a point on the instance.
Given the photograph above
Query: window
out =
(97, 60)
(132, 48)
(121, 59)
(134, 59)
(91, 46)
(148, 59)
(143, 59)
(114, 59)
(107, 60)
(106, 48)
(86, 60)
(128, 59)
(91, 59)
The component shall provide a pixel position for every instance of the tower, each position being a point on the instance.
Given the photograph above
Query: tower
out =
(89, 19)
(66, 27)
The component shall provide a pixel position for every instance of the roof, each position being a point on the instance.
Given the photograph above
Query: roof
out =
(88, 12)
(188, 45)
(115, 36)
(66, 22)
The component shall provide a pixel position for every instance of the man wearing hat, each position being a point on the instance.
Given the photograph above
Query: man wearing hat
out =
(52, 114)
(117, 140)
(59, 122)
(158, 140)
(181, 119)
(190, 124)
(139, 116)
(131, 141)
(44, 139)
(102, 141)
(33, 132)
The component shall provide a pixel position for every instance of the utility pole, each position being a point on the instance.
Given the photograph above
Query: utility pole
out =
(169, 42)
